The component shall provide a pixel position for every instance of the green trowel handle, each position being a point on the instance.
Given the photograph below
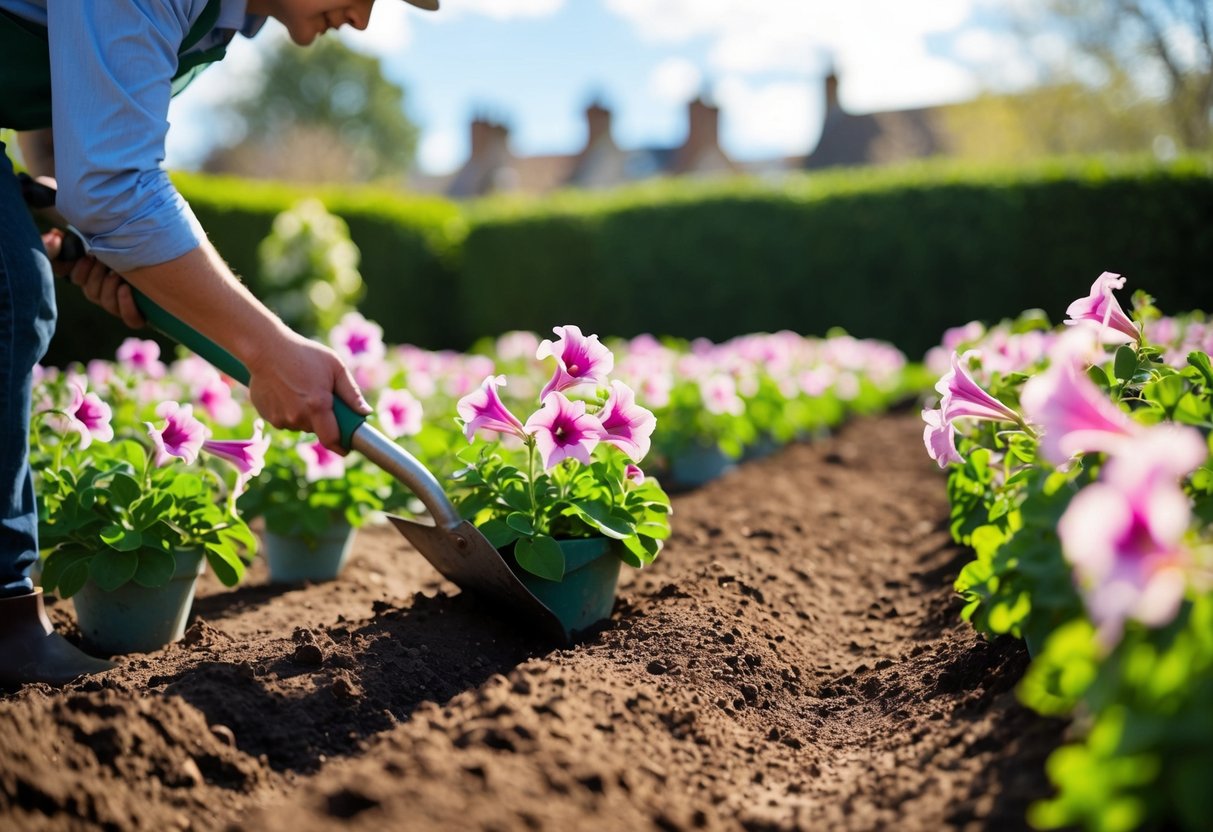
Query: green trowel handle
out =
(347, 420)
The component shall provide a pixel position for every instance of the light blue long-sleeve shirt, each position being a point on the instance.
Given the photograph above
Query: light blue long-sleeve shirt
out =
(112, 65)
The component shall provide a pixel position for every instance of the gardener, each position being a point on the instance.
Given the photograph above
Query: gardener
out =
(103, 74)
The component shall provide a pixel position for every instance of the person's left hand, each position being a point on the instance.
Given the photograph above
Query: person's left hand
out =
(103, 287)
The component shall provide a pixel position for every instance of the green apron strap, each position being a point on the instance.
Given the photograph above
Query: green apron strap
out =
(25, 68)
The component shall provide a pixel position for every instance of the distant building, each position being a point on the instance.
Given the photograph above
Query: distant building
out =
(875, 138)
(846, 139)
(493, 168)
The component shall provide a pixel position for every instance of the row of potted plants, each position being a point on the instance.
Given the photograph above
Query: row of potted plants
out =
(147, 470)
(1079, 472)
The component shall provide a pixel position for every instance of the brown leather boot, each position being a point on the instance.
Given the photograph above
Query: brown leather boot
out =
(31, 650)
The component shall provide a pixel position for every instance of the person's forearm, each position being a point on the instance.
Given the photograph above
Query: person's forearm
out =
(37, 152)
(201, 290)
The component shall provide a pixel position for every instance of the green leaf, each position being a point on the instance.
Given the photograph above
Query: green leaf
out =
(540, 555)
(74, 577)
(520, 523)
(150, 508)
(1097, 375)
(1125, 365)
(124, 489)
(123, 540)
(645, 549)
(498, 533)
(1201, 362)
(110, 570)
(1167, 391)
(56, 564)
(155, 568)
(229, 569)
(603, 519)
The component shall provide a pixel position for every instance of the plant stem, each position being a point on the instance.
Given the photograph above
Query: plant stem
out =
(530, 481)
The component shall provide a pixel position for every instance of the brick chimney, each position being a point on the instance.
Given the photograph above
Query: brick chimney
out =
(831, 85)
(489, 139)
(597, 124)
(703, 138)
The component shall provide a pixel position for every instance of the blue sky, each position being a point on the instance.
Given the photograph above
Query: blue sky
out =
(536, 64)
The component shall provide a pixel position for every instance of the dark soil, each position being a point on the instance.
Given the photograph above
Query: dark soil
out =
(794, 660)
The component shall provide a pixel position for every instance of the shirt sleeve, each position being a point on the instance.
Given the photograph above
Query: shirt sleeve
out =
(112, 66)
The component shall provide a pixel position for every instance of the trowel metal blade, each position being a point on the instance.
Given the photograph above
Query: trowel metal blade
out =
(466, 558)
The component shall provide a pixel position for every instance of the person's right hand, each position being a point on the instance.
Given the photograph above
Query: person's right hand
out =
(292, 386)
(100, 285)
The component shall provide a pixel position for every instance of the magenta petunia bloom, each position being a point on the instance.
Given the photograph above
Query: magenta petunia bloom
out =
(1124, 534)
(483, 408)
(214, 396)
(357, 340)
(88, 417)
(634, 475)
(1074, 414)
(322, 464)
(563, 430)
(399, 413)
(182, 435)
(719, 393)
(580, 359)
(963, 397)
(627, 425)
(1100, 308)
(939, 436)
(248, 455)
(141, 356)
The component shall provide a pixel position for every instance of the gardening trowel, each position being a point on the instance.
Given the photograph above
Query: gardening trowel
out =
(453, 545)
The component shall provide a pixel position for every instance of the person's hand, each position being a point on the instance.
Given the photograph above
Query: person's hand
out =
(292, 387)
(103, 287)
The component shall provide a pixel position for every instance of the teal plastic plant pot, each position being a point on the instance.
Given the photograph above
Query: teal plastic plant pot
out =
(294, 559)
(698, 465)
(138, 619)
(586, 596)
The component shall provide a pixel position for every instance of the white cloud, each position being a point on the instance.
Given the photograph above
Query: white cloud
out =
(880, 43)
(675, 81)
(781, 118)
(498, 9)
(389, 33)
(441, 150)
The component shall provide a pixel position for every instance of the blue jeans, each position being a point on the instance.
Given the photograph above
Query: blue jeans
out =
(27, 321)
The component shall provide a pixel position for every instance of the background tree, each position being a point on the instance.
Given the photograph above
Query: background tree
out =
(321, 114)
(1148, 49)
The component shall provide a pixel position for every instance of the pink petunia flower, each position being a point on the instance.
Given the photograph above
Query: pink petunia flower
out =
(248, 455)
(939, 436)
(88, 417)
(563, 430)
(483, 409)
(1100, 308)
(1124, 534)
(182, 435)
(399, 413)
(322, 464)
(964, 398)
(628, 426)
(142, 356)
(214, 396)
(580, 359)
(719, 393)
(358, 340)
(634, 475)
(1075, 415)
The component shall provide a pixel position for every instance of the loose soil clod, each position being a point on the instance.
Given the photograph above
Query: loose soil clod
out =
(794, 660)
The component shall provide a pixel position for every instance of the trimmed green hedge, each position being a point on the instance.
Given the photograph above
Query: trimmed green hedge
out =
(897, 255)
(894, 254)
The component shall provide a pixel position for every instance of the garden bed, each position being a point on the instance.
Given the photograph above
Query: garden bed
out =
(794, 659)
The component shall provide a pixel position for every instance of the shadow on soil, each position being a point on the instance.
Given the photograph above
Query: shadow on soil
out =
(328, 689)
